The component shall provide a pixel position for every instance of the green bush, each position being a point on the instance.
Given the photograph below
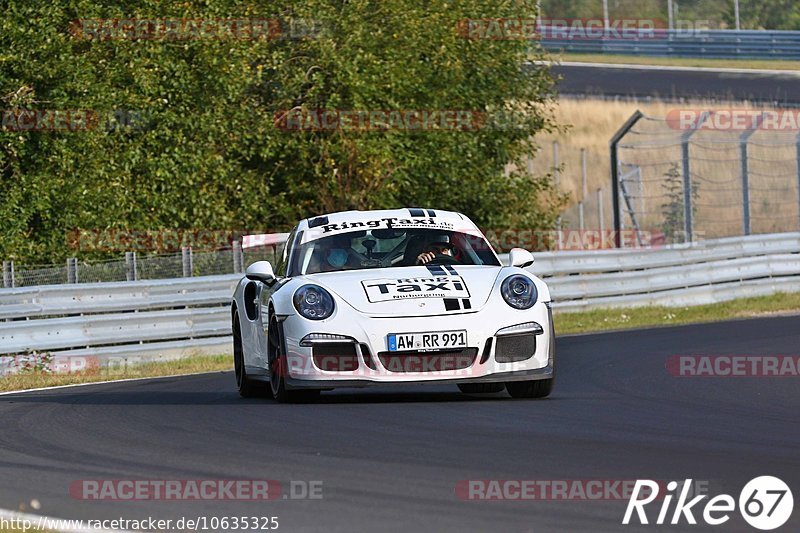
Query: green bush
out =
(187, 134)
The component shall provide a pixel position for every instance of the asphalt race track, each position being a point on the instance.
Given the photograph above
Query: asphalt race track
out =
(666, 83)
(390, 459)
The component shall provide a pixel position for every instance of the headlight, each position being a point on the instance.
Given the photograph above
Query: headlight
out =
(313, 302)
(519, 291)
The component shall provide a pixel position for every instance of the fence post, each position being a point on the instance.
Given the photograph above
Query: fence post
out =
(8, 274)
(688, 223)
(238, 258)
(687, 194)
(743, 141)
(187, 261)
(670, 16)
(613, 145)
(130, 261)
(584, 194)
(745, 185)
(557, 181)
(584, 176)
(600, 218)
(72, 270)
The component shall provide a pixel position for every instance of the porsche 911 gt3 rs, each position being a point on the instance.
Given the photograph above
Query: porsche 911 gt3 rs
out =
(385, 297)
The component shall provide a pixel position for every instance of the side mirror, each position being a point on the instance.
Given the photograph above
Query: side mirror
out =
(520, 258)
(261, 271)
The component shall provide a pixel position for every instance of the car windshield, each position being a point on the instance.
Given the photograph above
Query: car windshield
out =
(381, 248)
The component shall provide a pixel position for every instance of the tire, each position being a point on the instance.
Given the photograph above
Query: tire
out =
(481, 388)
(278, 368)
(247, 387)
(540, 388)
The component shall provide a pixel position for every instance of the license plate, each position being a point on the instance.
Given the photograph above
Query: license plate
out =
(434, 340)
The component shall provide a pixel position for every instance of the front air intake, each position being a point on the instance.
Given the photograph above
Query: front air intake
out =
(514, 348)
(335, 357)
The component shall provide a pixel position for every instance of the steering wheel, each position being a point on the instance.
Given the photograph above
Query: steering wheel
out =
(441, 259)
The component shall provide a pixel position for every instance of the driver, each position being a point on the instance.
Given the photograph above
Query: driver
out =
(438, 245)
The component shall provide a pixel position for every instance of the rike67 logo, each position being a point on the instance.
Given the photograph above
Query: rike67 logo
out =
(765, 503)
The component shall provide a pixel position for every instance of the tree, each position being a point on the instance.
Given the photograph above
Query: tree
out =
(765, 14)
(206, 149)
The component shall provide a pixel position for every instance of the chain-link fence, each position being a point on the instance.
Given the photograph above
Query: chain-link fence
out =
(710, 174)
(136, 266)
(585, 222)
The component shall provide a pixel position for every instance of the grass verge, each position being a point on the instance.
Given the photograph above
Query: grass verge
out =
(34, 379)
(620, 319)
(755, 64)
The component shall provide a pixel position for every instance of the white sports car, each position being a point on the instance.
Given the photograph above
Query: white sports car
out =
(385, 297)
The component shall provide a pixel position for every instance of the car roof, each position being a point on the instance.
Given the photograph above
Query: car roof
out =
(456, 220)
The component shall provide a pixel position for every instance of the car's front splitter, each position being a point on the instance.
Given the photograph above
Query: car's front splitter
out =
(547, 372)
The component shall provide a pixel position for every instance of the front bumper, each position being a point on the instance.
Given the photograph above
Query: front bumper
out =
(369, 336)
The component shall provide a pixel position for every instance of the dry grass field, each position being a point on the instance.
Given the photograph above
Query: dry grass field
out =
(655, 148)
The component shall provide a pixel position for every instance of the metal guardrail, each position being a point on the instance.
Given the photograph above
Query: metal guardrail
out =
(50, 300)
(696, 43)
(160, 319)
(175, 317)
(651, 282)
(687, 274)
(618, 260)
(105, 329)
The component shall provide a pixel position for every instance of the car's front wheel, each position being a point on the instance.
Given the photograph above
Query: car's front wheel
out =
(279, 368)
(248, 388)
(540, 388)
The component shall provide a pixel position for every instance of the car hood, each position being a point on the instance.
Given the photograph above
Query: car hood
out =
(412, 291)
